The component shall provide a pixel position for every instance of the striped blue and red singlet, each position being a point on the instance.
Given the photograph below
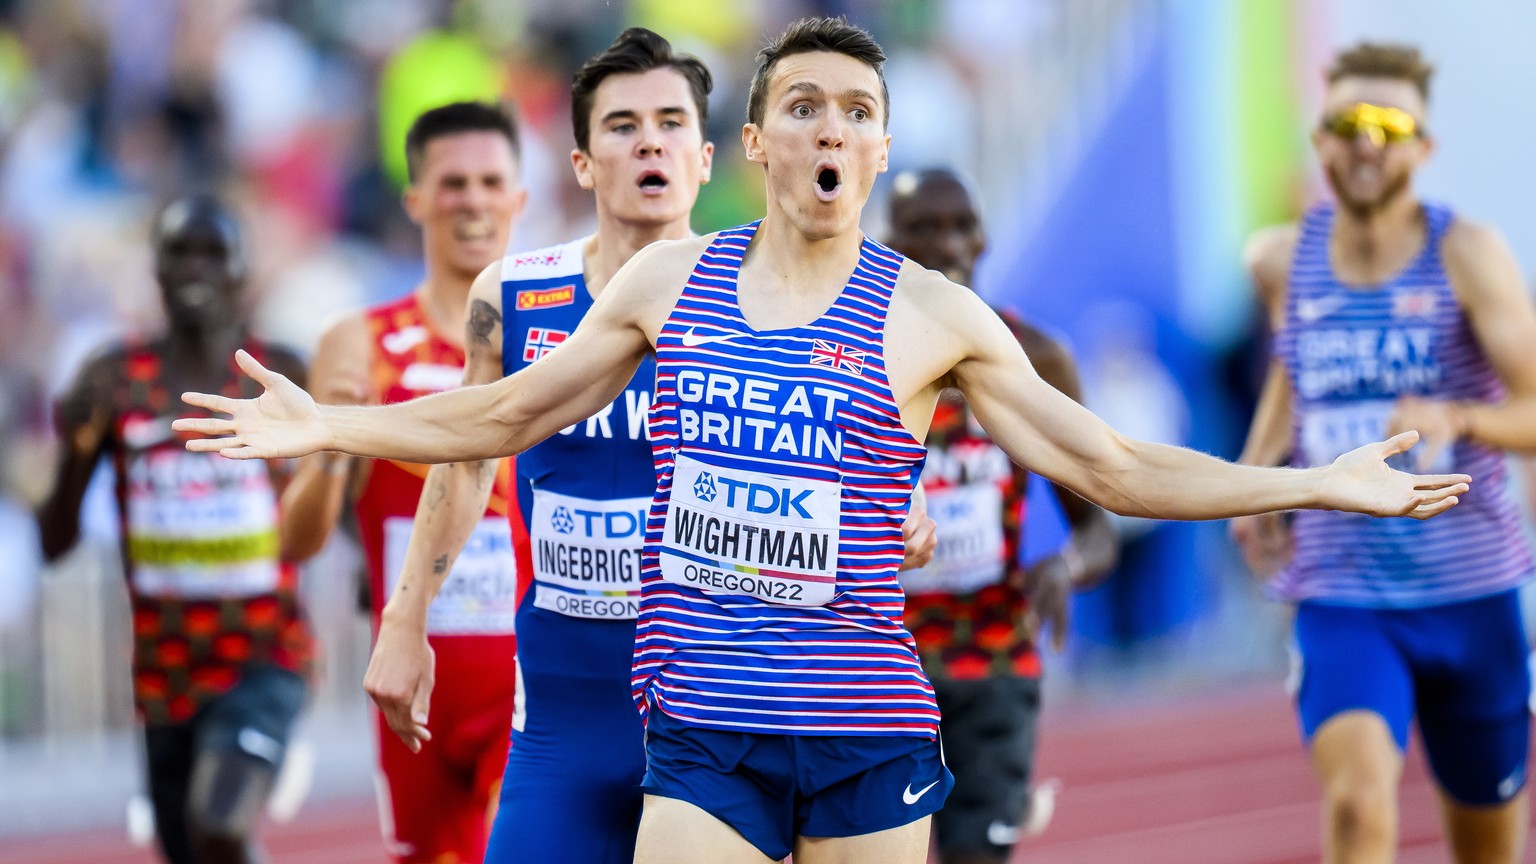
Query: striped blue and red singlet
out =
(1351, 353)
(770, 602)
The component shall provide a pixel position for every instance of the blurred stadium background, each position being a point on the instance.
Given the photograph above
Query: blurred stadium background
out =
(1123, 149)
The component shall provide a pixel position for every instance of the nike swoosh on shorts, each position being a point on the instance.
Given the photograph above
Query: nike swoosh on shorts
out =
(910, 798)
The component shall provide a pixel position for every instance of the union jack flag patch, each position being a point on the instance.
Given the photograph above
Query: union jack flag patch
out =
(541, 341)
(837, 356)
(1413, 304)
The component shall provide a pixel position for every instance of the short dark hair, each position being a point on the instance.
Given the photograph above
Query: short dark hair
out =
(1383, 60)
(636, 50)
(456, 118)
(817, 34)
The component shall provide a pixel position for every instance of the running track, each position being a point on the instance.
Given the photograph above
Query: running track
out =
(1203, 780)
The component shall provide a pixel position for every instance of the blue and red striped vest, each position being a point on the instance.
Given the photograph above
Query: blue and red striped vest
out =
(1351, 353)
(770, 601)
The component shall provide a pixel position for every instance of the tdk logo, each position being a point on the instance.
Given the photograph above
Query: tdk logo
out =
(596, 523)
(753, 497)
(562, 521)
(704, 487)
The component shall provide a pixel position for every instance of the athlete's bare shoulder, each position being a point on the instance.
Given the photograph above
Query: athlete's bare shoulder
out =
(932, 295)
(666, 264)
(932, 326)
(341, 372)
(1480, 263)
(1466, 241)
(646, 288)
(1267, 255)
(347, 337)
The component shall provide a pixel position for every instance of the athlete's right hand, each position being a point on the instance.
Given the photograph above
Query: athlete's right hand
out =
(1265, 541)
(400, 679)
(282, 422)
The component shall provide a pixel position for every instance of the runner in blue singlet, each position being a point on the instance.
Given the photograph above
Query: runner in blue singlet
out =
(1389, 314)
(797, 366)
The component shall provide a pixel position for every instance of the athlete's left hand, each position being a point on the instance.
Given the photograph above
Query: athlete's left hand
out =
(1439, 423)
(919, 535)
(1361, 482)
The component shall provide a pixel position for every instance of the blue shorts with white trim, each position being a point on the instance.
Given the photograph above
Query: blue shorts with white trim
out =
(773, 788)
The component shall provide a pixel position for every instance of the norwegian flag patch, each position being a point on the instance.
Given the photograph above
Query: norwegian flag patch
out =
(541, 341)
(837, 356)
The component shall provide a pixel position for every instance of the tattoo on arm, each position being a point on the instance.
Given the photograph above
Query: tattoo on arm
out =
(436, 491)
(483, 318)
(485, 474)
(440, 565)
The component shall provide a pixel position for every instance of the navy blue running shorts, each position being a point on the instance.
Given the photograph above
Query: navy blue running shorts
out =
(773, 788)
(1460, 668)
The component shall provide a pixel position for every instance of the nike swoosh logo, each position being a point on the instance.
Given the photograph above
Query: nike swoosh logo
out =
(693, 339)
(1309, 310)
(910, 797)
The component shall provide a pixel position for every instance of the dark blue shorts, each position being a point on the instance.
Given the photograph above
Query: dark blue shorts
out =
(774, 788)
(1460, 668)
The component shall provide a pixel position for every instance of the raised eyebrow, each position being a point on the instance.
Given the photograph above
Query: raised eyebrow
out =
(805, 88)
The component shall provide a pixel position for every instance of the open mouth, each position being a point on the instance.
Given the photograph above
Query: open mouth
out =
(653, 181)
(474, 230)
(828, 182)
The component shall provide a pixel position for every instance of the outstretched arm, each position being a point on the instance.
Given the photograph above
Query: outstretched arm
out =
(1054, 436)
(400, 670)
(471, 423)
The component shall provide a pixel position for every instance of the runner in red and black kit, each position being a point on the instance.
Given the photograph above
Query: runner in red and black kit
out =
(221, 649)
(974, 610)
(436, 805)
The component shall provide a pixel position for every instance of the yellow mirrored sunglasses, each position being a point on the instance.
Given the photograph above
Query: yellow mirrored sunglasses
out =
(1383, 125)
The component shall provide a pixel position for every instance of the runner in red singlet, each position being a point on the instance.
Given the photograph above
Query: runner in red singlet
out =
(435, 804)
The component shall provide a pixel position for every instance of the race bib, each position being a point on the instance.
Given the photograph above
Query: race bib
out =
(971, 551)
(479, 597)
(1330, 431)
(201, 528)
(586, 554)
(739, 532)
